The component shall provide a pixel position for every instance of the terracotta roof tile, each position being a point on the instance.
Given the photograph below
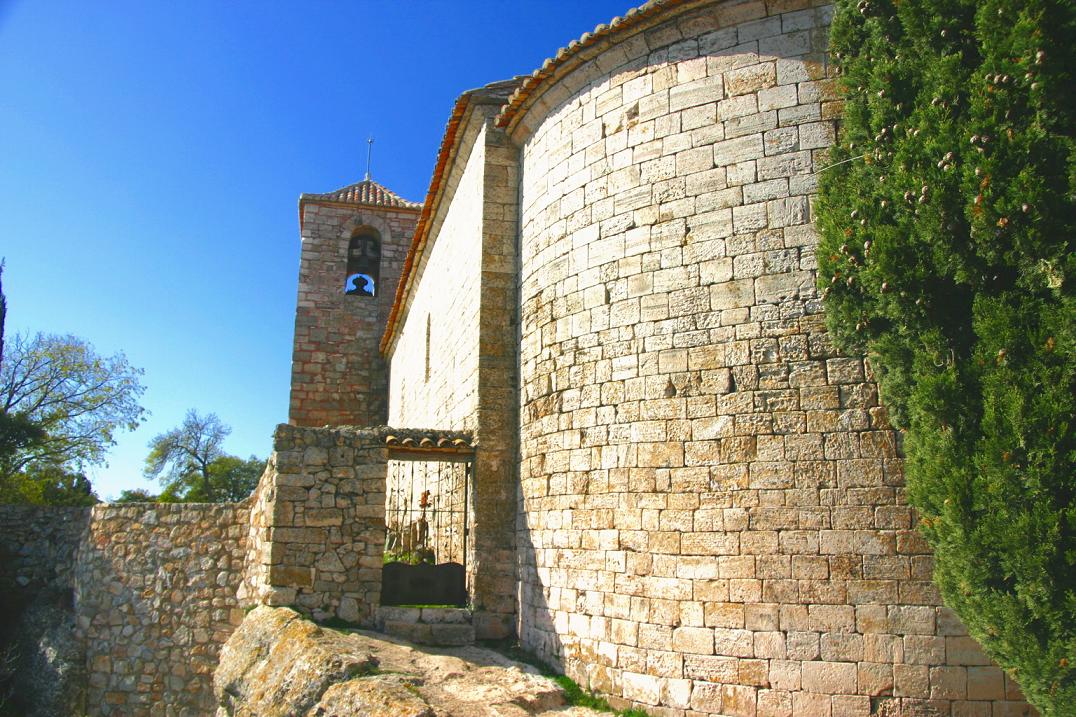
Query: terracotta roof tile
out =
(367, 192)
(429, 441)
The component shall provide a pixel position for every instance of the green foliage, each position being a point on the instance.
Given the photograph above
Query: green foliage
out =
(947, 257)
(45, 484)
(135, 495)
(79, 399)
(191, 463)
(60, 406)
(418, 556)
(18, 435)
(231, 479)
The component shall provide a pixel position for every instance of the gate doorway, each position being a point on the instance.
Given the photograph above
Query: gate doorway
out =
(427, 528)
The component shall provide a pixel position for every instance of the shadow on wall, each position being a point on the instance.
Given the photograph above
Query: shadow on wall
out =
(42, 660)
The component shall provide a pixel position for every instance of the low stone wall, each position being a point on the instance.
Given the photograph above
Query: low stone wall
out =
(37, 546)
(156, 599)
(318, 524)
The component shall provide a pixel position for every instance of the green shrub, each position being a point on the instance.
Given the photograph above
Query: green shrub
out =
(946, 256)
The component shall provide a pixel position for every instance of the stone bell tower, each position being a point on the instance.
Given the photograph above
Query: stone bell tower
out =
(354, 243)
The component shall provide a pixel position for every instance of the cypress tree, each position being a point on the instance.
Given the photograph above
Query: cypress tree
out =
(946, 256)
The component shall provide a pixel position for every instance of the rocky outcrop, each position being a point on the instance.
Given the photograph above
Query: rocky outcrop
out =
(48, 659)
(278, 664)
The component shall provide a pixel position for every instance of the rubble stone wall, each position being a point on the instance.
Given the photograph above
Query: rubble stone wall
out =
(38, 546)
(43, 671)
(713, 517)
(155, 600)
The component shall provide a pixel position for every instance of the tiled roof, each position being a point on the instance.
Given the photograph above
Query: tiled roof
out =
(367, 192)
(495, 93)
(566, 58)
(431, 443)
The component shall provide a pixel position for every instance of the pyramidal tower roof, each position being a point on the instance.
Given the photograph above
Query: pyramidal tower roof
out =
(365, 193)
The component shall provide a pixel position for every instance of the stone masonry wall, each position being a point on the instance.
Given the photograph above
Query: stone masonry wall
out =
(712, 502)
(434, 377)
(38, 546)
(155, 601)
(497, 433)
(318, 523)
(338, 375)
(454, 360)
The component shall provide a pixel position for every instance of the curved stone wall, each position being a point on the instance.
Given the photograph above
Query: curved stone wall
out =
(712, 516)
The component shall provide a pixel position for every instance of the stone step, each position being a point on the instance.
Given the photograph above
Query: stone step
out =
(439, 634)
(429, 615)
(428, 625)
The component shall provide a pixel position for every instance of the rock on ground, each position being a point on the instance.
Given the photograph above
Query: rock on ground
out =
(48, 660)
(277, 664)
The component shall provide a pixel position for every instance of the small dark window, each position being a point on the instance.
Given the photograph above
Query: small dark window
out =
(363, 264)
(427, 348)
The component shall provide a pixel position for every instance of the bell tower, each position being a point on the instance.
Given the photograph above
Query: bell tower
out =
(354, 241)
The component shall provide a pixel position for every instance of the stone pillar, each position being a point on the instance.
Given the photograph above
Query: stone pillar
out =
(497, 434)
(318, 524)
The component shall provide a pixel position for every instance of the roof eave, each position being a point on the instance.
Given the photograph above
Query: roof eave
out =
(305, 199)
(571, 56)
(446, 152)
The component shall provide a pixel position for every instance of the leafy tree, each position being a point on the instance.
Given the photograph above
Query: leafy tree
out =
(19, 435)
(60, 486)
(3, 311)
(947, 256)
(44, 484)
(17, 432)
(234, 479)
(135, 495)
(190, 462)
(231, 479)
(62, 403)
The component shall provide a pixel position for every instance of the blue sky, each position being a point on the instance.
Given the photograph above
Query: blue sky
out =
(152, 155)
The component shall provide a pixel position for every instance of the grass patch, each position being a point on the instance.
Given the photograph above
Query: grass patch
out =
(363, 669)
(573, 692)
(337, 623)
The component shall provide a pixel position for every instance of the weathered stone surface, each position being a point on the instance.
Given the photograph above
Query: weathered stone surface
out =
(374, 696)
(42, 658)
(301, 552)
(707, 491)
(279, 665)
